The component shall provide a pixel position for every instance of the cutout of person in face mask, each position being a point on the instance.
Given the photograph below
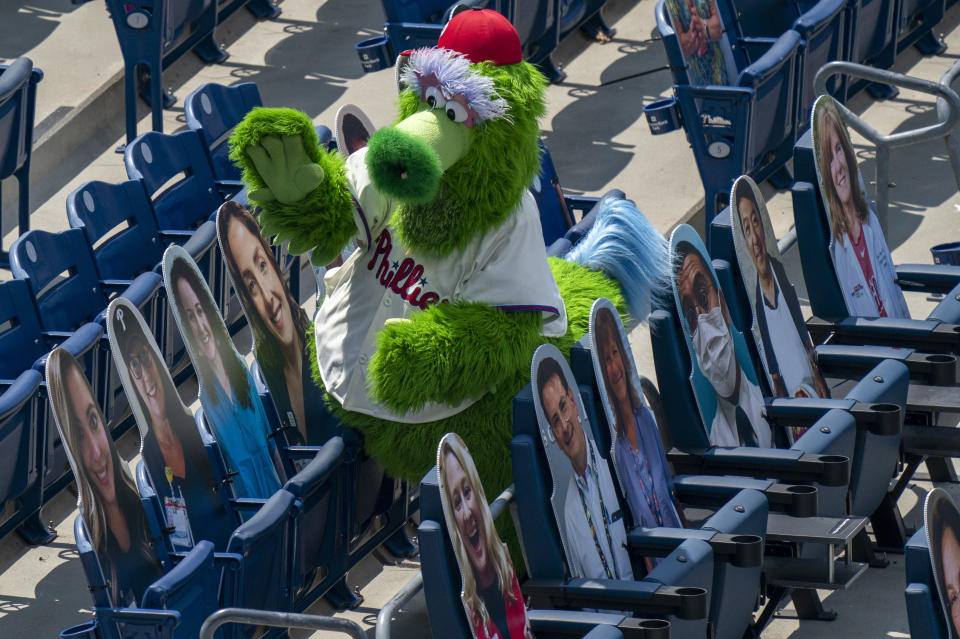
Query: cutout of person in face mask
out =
(739, 419)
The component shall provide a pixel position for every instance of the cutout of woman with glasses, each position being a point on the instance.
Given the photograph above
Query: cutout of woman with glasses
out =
(172, 447)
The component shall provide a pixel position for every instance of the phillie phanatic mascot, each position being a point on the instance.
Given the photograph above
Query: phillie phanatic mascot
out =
(430, 325)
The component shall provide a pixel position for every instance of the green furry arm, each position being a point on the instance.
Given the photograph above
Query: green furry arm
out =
(323, 220)
(450, 352)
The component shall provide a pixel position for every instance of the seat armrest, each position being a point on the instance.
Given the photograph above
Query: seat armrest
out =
(930, 336)
(320, 468)
(799, 500)
(928, 278)
(301, 452)
(878, 419)
(742, 551)
(640, 597)
(21, 391)
(856, 360)
(247, 504)
(587, 624)
(767, 463)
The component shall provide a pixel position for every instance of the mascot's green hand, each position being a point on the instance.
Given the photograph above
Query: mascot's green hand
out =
(286, 169)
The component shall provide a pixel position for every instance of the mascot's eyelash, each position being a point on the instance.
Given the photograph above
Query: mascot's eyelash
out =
(453, 71)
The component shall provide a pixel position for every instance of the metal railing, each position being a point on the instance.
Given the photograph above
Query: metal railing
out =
(943, 110)
(279, 620)
(415, 585)
(947, 120)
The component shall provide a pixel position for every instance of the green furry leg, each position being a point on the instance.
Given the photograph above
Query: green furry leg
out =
(408, 451)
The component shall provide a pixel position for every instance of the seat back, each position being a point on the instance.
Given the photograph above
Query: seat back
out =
(191, 588)
(177, 175)
(320, 556)
(554, 217)
(19, 439)
(822, 29)
(62, 277)
(442, 581)
(17, 99)
(21, 340)
(118, 223)
(771, 129)
(213, 110)
(924, 611)
(264, 542)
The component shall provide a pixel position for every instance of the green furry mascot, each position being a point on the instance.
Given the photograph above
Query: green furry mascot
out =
(430, 325)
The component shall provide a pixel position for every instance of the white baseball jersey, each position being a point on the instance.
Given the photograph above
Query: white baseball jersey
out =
(505, 267)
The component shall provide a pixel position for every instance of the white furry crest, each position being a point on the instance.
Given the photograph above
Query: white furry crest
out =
(456, 78)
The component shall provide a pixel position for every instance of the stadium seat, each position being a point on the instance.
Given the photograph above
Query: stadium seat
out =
(119, 225)
(924, 610)
(24, 346)
(549, 581)
(747, 127)
(18, 97)
(442, 586)
(153, 34)
(69, 293)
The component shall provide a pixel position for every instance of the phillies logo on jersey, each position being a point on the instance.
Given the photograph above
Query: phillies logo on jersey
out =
(405, 278)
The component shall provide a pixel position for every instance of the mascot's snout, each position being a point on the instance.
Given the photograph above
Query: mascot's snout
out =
(407, 161)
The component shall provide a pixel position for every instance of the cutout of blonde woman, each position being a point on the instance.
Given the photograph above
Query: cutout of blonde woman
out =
(491, 592)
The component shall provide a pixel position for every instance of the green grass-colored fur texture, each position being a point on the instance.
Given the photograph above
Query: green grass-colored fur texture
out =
(485, 186)
(323, 221)
(407, 451)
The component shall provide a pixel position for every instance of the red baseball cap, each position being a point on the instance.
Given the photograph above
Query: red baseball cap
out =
(482, 35)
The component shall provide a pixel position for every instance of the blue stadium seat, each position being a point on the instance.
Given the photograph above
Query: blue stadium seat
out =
(924, 610)
(546, 563)
(821, 25)
(442, 586)
(747, 128)
(213, 110)
(153, 34)
(119, 225)
(69, 293)
(24, 345)
(917, 21)
(178, 178)
(870, 37)
(935, 333)
(18, 97)
(557, 210)
(21, 455)
(173, 607)
(835, 433)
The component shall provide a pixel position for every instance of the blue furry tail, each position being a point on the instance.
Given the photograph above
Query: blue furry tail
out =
(625, 246)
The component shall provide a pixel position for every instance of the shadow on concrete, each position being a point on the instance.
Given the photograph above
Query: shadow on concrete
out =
(25, 25)
(590, 159)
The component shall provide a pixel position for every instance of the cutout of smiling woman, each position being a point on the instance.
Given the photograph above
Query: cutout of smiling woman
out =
(171, 445)
(942, 521)
(491, 592)
(278, 323)
(108, 499)
(861, 259)
(637, 453)
(227, 391)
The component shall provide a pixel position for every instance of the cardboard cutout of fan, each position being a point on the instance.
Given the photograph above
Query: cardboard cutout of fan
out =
(228, 394)
(108, 499)
(942, 522)
(636, 449)
(778, 329)
(491, 592)
(171, 446)
(722, 374)
(858, 248)
(584, 499)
